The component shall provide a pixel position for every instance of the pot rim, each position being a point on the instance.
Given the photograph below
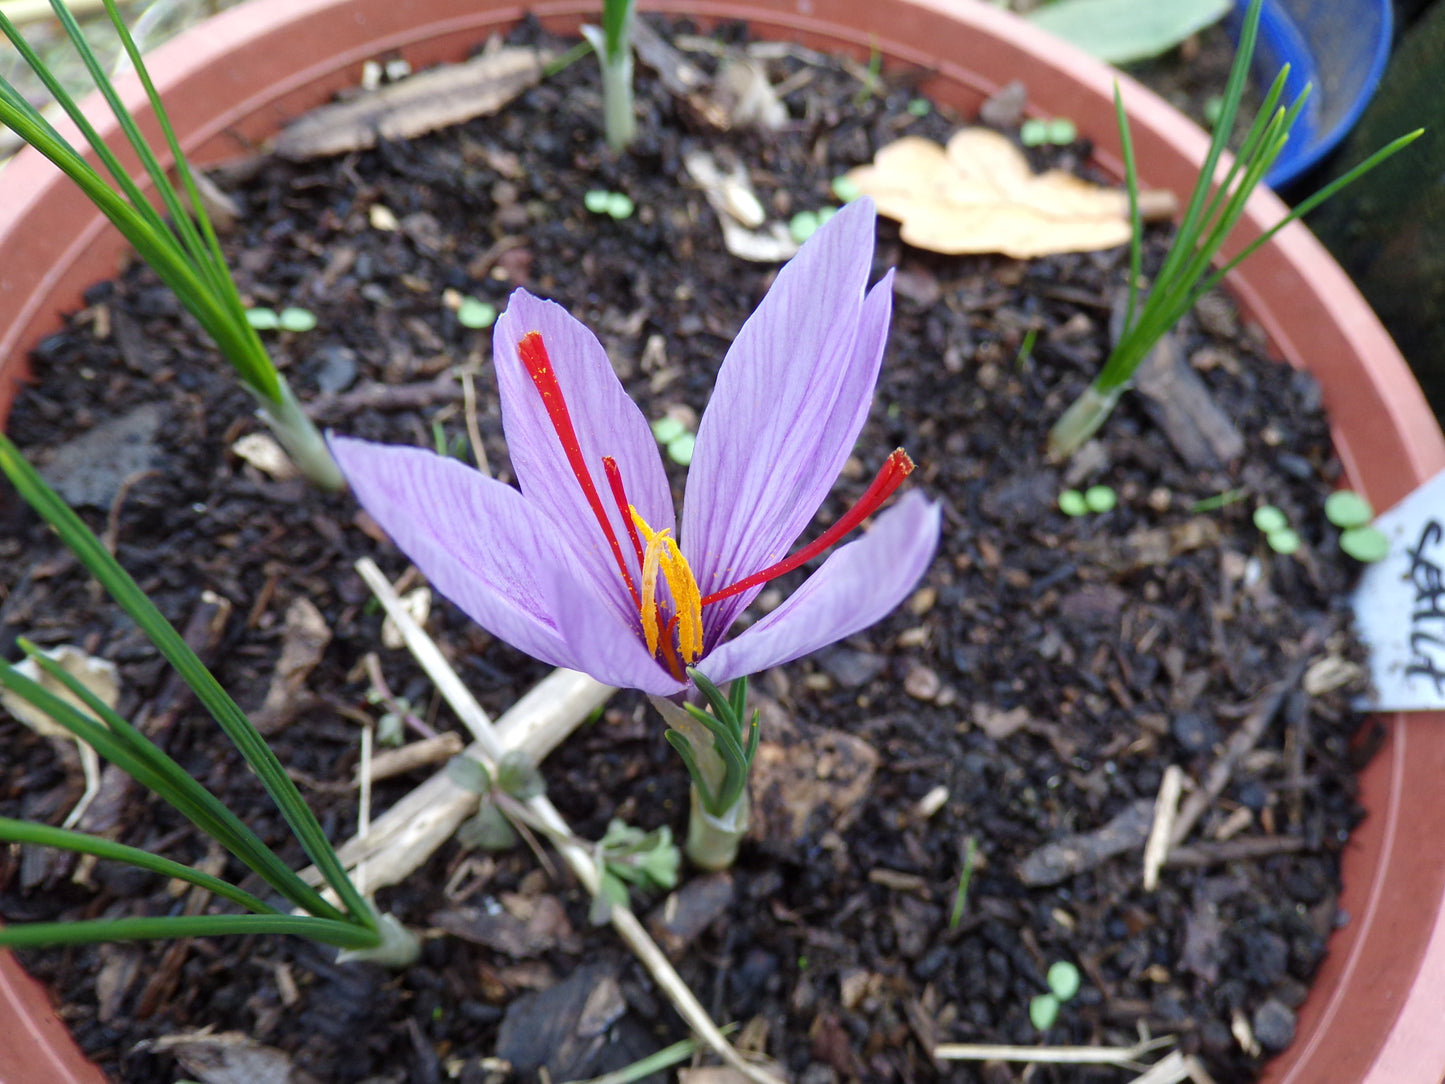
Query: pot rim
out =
(1387, 439)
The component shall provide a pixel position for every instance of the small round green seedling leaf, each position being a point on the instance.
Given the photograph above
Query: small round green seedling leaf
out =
(1072, 503)
(620, 206)
(1283, 541)
(1061, 131)
(846, 189)
(470, 774)
(1034, 133)
(1268, 519)
(1063, 979)
(476, 314)
(1043, 1011)
(680, 449)
(519, 777)
(1345, 509)
(803, 225)
(489, 830)
(597, 201)
(1100, 499)
(1367, 544)
(389, 730)
(667, 429)
(919, 107)
(263, 319)
(296, 319)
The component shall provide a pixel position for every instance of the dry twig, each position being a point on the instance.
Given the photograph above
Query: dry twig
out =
(1241, 742)
(1166, 809)
(1051, 1055)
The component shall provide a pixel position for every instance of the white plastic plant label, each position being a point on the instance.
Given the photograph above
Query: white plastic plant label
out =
(1400, 605)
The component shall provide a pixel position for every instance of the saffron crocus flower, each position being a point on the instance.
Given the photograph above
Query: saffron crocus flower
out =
(584, 566)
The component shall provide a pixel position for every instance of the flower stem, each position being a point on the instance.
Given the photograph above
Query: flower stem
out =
(301, 439)
(398, 947)
(712, 842)
(618, 121)
(1083, 418)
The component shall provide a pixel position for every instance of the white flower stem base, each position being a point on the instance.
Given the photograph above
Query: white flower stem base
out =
(399, 947)
(301, 439)
(712, 842)
(617, 114)
(1081, 421)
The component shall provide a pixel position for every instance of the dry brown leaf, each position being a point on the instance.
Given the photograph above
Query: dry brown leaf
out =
(979, 195)
(303, 643)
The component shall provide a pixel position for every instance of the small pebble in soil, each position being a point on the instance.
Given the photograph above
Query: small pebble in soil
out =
(1274, 1025)
(850, 668)
(1194, 732)
(922, 683)
(338, 368)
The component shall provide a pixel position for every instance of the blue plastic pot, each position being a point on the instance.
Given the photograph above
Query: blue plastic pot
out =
(1339, 48)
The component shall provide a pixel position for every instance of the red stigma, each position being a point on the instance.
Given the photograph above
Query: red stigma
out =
(890, 476)
(533, 353)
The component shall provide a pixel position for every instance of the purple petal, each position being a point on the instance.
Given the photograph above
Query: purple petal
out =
(475, 539)
(858, 585)
(790, 399)
(607, 423)
(601, 651)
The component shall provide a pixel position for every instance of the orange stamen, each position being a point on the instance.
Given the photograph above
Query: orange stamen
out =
(664, 560)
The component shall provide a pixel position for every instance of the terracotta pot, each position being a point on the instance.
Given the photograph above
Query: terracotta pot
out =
(1374, 1014)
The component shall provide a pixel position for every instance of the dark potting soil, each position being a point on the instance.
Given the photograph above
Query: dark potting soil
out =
(1045, 674)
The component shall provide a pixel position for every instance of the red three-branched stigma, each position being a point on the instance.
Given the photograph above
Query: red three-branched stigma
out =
(677, 640)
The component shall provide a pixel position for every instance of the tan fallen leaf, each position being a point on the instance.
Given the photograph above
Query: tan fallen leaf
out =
(746, 232)
(980, 195)
(262, 451)
(99, 676)
(303, 642)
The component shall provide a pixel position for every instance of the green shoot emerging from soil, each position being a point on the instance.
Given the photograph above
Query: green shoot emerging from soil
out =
(354, 926)
(1211, 214)
(176, 239)
(718, 747)
(612, 42)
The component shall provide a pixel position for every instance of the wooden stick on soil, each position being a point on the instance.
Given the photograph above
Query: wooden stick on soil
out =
(1166, 809)
(1174, 1068)
(583, 865)
(410, 832)
(1050, 1055)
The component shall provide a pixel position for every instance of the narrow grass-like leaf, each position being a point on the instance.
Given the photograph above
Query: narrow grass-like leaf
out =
(184, 251)
(678, 740)
(122, 745)
(99, 562)
(90, 931)
(41, 835)
(1136, 218)
(617, 25)
(1214, 209)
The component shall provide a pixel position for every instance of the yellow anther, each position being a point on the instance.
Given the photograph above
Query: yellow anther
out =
(661, 556)
(651, 564)
(688, 601)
